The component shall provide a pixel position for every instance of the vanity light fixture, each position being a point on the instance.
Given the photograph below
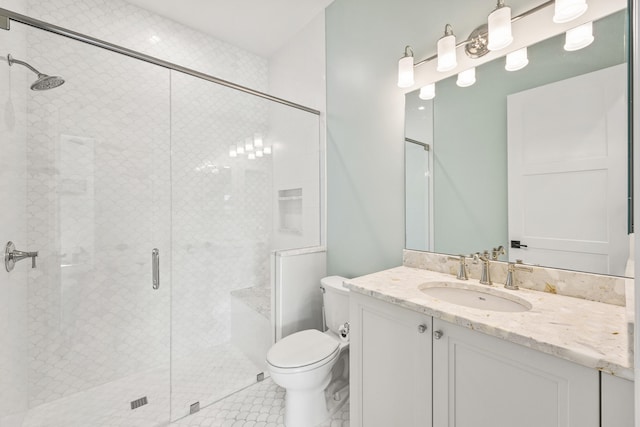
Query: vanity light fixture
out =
(240, 148)
(579, 37)
(251, 156)
(467, 77)
(405, 68)
(568, 10)
(447, 57)
(517, 60)
(427, 92)
(499, 24)
(259, 152)
(232, 151)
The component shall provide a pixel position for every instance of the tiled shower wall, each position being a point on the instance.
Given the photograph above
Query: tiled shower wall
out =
(94, 214)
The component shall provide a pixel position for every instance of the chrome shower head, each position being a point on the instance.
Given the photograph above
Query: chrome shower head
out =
(44, 81)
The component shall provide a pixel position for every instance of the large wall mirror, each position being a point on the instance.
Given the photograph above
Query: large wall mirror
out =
(535, 160)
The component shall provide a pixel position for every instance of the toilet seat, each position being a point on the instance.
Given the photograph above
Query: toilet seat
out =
(303, 351)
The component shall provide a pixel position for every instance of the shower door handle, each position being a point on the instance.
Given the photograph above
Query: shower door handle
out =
(155, 268)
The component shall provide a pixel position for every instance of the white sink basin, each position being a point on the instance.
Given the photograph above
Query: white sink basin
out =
(475, 296)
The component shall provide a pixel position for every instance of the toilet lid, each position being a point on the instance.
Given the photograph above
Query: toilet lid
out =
(301, 349)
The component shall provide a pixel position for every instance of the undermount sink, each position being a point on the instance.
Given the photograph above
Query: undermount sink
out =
(474, 297)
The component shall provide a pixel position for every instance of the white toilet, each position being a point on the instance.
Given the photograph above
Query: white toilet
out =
(303, 362)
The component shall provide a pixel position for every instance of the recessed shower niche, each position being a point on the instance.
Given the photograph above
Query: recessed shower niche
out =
(290, 210)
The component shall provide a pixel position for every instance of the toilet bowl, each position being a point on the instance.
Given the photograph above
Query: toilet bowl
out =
(303, 362)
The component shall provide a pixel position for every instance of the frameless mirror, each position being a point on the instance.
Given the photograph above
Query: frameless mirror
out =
(534, 160)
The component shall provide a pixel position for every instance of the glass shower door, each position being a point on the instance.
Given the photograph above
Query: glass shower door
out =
(98, 195)
(245, 181)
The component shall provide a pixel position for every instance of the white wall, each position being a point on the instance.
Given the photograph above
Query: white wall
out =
(297, 73)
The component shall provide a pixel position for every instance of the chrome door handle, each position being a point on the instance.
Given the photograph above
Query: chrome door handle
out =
(155, 268)
(422, 328)
(438, 334)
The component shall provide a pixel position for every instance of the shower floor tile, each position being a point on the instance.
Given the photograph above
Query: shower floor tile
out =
(260, 405)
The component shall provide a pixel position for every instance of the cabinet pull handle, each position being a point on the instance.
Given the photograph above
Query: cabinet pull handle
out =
(422, 328)
(437, 334)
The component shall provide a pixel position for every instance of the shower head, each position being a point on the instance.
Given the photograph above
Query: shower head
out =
(44, 81)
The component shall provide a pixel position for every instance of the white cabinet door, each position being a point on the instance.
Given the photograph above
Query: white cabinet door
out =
(616, 396)
(483, 381)
(390, 365)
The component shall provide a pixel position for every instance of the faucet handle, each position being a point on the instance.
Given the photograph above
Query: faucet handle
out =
(462, 269)
(496, 252)
(511, 269)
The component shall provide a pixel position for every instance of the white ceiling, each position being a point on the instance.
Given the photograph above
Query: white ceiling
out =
(259, 26)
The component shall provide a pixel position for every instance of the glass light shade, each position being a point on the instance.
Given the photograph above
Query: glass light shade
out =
(428, 92)
(405, 72)
(579, 37)
(257, 140)
(248, 144)
(517, 60)
(240, 148)
(259, 152)
(251, 156)
(447, 59)
(232, 151)
(267, 149)
(568, 10)
(500, 28)
(467, 77)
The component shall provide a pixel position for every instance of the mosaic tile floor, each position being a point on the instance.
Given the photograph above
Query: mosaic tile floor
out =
(261, 405)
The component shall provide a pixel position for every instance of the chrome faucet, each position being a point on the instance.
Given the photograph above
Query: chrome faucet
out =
(462, 269)
(11, 256)
(511, 270)
(485, 278)
(496, 252)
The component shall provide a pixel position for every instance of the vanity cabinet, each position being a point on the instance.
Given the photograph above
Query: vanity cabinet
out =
(408, 370)
(480, 380)
(390, 375)
(617, 401)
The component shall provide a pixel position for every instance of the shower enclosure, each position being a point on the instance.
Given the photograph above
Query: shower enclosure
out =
(151, 294)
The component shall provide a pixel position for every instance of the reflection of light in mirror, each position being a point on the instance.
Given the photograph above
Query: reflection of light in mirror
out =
(251, 156)
(579, 37)
(447, 59)
(500, 27)
(232, 151)
(267, 149)
(257, 140)
(517, 60)
(568, 10)
(467, 77)
(258, 153)
(428, 92)
(240, 148)
(421, 107)
(154, 39)
(248, 144)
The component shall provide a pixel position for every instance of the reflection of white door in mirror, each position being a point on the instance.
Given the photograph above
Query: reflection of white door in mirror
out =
(567, 154)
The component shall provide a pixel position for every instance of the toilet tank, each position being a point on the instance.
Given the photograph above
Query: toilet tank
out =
(335, 298)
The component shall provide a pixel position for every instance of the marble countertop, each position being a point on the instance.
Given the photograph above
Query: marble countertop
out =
(592, 334)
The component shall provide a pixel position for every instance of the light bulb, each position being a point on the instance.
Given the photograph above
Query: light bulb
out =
(259, 152)
(568, 10)
(579, 37)
(232, 151)
(405, 68)
(500, 27)
(251, 156)
(517, 60)
(428, 92)
(240, 148)
(267, 149)
(447, 59)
